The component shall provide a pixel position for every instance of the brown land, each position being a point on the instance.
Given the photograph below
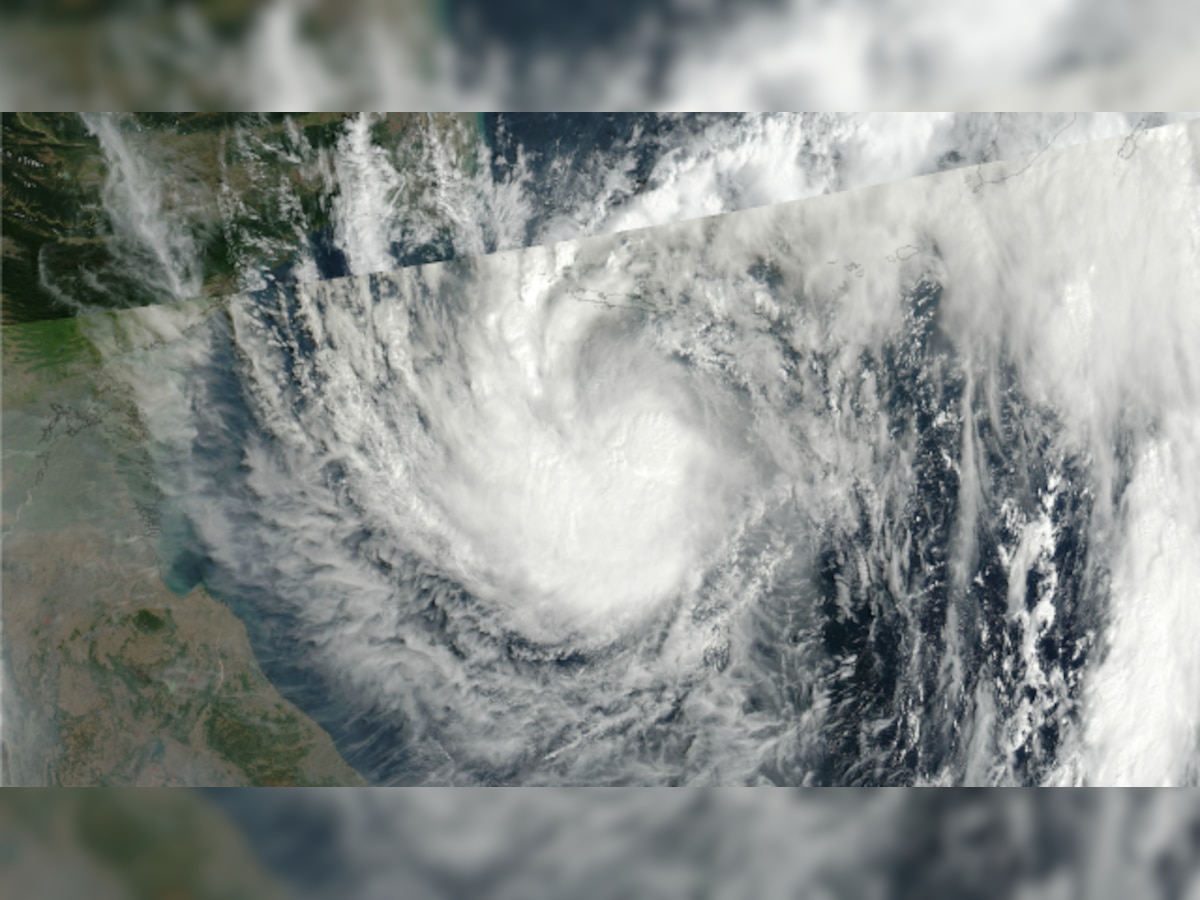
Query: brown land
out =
(109, 677)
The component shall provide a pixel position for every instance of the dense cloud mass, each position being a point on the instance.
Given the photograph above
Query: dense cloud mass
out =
(171, 206)
(890, 844)
(705, 449)
(888, 486)
(663, 54)
(362, 844)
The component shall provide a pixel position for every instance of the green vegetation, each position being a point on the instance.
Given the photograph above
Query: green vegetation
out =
(269, 749)
(241, 187)
(58, 246)
(147, 622)
(53, 349)
(52, 178)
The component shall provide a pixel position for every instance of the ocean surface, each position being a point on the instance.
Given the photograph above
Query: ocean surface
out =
(702, 450)
(889, 485)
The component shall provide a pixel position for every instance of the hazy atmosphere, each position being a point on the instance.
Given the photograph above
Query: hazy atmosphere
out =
(837, 453)
(601, 450)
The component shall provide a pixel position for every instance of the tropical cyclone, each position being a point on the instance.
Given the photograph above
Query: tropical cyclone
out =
(888, 486)
(755, 517)
(578, 476)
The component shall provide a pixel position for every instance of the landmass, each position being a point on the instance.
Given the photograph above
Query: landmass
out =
(109, 677)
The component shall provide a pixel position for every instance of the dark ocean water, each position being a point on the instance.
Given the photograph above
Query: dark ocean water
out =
(879, 648)
(859, 490)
